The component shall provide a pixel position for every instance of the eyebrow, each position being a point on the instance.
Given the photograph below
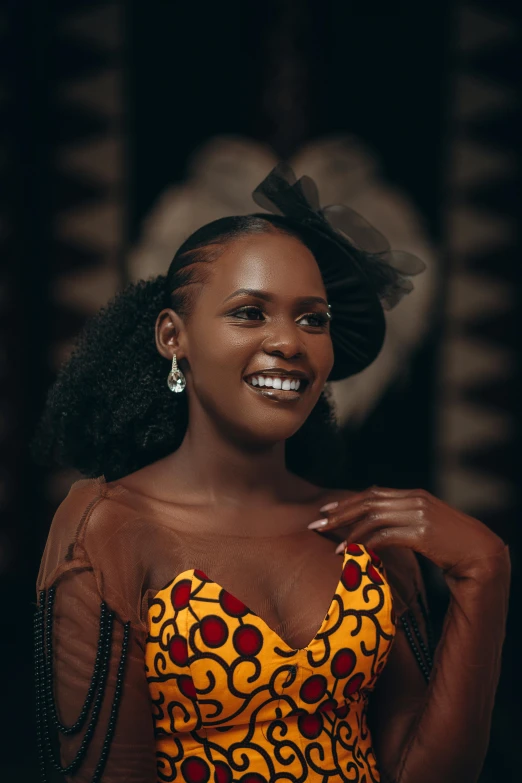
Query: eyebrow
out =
(269, 298)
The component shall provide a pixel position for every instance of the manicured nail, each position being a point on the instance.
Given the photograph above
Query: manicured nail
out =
(329, 506)
(340, 548)
(317, 523)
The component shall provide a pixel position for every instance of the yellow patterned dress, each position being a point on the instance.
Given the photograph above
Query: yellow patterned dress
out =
(233, 703)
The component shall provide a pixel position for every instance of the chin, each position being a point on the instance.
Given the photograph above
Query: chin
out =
(267, 430)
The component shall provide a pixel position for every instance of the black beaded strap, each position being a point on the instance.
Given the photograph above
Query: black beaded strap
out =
(51, 705)
(425, 669)
(427, 622)
(427, 653)
(46, 710)
(115, 706)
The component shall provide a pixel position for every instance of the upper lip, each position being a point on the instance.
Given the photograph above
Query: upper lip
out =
(279, 371)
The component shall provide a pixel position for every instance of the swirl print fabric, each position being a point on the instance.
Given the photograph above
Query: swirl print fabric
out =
(233, 703)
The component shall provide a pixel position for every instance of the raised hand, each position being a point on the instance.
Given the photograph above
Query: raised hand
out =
(412, 518)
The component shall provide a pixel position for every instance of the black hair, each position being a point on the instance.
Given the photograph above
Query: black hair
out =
(110, 411)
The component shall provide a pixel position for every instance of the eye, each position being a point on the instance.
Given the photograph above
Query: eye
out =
(253, 313)
(316, 319)
(245, 312)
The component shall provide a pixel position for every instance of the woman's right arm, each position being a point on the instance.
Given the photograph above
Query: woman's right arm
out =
(440, 731)
(74, 632)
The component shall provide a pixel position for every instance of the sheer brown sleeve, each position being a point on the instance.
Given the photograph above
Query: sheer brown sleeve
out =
(94, 715)
(430, 720)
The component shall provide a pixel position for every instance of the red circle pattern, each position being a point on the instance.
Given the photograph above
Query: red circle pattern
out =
(180, 595)
(248, 640)
(328, 705)
(314, 688)
(352, 575)
(353, 685)
(374, 575)
(195, 770)
(376, 560)
(222, 772)
(342, 711)
(187, 687)
(343, 663)
(310, 725)
(231, 605)
(214, 630)
(178, 651)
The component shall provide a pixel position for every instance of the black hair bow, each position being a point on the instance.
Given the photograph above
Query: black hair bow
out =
(361, 273)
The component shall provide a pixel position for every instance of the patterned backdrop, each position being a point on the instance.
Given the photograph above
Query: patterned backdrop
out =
(479, 381)
(89, 225)
(63, 226)
(478, 406)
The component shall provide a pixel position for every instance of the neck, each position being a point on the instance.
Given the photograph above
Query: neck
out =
(216, 470)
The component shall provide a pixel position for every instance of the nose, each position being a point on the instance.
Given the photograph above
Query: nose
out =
(284, 341)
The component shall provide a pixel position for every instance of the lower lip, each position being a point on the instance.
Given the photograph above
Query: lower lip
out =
(281, 395)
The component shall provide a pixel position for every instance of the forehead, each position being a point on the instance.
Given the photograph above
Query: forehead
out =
(273, 262)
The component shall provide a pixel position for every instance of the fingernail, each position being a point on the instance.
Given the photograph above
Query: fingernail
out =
(317, 523)
(329, 506)
(340, 548)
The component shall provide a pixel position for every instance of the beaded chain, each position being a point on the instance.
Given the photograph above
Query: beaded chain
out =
(46, 710)
(424, 665)
(69, 730)
(427, 621)
(423, 647)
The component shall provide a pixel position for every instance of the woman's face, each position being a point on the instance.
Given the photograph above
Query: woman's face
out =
(262, 312)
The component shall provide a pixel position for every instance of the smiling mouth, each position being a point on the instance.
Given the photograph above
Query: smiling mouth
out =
(284, 390)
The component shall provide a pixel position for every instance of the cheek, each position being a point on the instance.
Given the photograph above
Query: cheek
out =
(323, 356)
(222, 353)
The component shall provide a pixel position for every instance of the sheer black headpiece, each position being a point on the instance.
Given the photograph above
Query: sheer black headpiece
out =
(362, 275)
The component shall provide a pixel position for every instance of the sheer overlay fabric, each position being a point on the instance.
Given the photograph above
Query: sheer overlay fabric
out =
(117, 552)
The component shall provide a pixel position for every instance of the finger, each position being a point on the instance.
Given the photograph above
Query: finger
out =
(372, 537)
(347, 515)
(390, 536)
(372, 492)
(342, 515)
(346, 502)
(377, 533)
(397, 493)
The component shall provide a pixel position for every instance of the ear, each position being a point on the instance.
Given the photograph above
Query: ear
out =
(170, 334)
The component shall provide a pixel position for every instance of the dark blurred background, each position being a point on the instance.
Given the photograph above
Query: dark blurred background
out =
(125, 125)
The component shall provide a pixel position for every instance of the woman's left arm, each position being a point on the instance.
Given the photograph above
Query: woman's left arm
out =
(439, 731)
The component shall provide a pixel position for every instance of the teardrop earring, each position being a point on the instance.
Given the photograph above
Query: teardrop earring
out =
(176, 381)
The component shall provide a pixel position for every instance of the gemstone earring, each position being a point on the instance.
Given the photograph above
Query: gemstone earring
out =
(176, 380)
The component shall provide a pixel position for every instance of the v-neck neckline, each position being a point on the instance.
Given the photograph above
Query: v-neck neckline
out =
(269, 630)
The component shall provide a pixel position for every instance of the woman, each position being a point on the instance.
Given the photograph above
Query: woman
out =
(181, 631)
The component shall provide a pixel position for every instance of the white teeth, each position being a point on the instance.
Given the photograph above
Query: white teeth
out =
(274, 382)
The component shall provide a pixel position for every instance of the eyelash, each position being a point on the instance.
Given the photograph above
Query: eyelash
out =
(322, 317)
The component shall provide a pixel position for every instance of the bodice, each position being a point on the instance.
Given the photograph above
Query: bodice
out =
(232, 701)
